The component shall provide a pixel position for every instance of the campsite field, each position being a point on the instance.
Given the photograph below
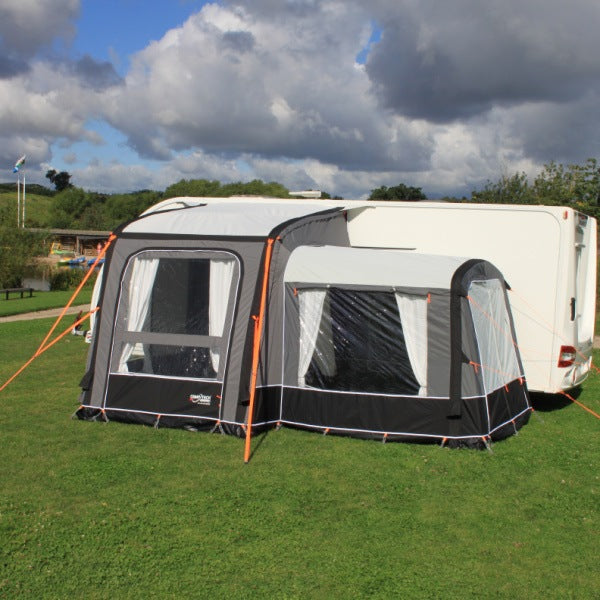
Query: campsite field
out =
(93, 510)
(42, 301)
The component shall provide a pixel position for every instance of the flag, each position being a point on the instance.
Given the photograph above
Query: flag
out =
(19, 163)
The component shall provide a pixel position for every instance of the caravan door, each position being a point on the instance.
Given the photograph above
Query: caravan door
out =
(583, 303)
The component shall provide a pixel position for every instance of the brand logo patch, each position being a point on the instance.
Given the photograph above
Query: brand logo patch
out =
(202, 399)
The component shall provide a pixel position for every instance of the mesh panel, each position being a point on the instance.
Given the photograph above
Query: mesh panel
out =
(360, 345)
(497, 349)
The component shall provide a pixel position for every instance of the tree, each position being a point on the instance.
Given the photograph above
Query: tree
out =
(17, 249)
(61, 180)
(204, 188)
(507, 190)
(193, 187)
(556, 184)
(398, 192)
(559, 184)
(69, 207)
(124, 207)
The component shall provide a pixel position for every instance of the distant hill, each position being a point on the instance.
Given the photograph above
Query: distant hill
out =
(37, 207)
(31, 188)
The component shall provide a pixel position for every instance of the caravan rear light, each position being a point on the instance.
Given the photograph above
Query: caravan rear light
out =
(567, 356)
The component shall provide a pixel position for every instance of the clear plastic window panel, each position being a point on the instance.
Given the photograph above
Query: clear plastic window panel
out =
(174, 314)
(497, 347)
(358, 345)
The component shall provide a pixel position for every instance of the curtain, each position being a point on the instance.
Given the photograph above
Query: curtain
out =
(311, 304)
(94, 302)
(413, 316)
(142, 278)
(221, 276)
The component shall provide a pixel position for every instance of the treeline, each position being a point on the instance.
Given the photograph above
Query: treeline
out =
(32, 188)
(576, 185)
(74, 208)
(557, 184)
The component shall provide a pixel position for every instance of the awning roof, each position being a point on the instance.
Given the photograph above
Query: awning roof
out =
(222, 219)
(370, 267)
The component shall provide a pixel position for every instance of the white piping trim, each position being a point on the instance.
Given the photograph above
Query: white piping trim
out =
(164, 414)
(313, 389)
(118, 306)
(312, 426)
(381, 432)
(173, 378)
(510, 420)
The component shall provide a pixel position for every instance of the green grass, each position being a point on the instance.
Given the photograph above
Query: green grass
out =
(93, 510)
(41, 301)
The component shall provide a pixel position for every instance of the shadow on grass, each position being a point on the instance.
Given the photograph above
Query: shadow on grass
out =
(551, 402)
(258, 440)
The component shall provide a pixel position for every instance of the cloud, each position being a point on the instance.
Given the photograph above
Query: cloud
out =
(451, 94)
(117, 177)
(95, 74)
(238, 79)
(26, 26)
(45, 105)
(453, 60)
(9, 67)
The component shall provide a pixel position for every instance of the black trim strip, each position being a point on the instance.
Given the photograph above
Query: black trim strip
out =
(149, 235)
(87, 381)
(279, 229)
(457, 358)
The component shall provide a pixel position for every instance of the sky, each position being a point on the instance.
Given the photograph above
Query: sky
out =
(341, 96)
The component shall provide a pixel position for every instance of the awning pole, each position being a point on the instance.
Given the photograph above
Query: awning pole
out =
(258, 327)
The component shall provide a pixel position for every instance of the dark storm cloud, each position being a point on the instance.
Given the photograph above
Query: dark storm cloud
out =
(238, 41)
(95, 74)
(11, 67)
(567, 133)
(26, 27)
(452, 60)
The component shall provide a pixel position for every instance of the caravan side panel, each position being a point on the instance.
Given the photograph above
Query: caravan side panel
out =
(533, 246)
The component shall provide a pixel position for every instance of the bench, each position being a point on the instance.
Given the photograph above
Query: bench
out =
(21, 290)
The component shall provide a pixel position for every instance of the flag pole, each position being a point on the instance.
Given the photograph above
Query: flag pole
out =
(20, 162)
(23, 199)
(18, 201)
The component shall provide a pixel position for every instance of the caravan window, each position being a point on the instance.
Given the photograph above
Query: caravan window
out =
(175, 313)
(362, 341)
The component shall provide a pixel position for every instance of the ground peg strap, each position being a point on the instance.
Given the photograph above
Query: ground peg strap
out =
(79, 288)
(43, 348)
(45, 345)
(595, 414)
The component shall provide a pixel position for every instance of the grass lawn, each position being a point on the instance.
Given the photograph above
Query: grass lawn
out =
(93, 510)
(41, 301)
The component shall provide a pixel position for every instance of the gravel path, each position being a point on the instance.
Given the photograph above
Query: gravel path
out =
(43, 314)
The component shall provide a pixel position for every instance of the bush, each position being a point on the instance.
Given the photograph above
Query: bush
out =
(66, 279)
(18, 248)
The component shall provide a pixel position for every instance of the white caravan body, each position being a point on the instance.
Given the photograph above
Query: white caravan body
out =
(546, 253)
